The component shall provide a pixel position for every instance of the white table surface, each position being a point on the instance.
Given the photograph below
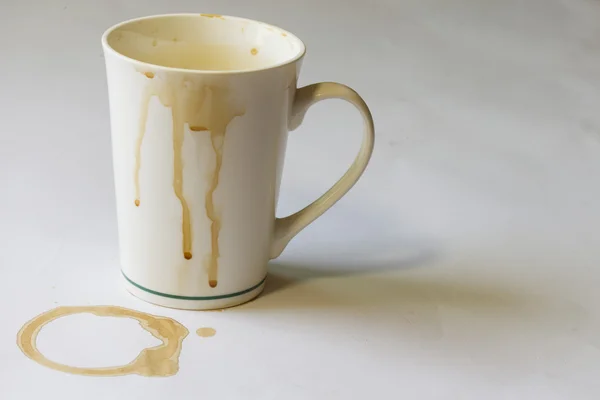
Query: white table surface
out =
(464, 265)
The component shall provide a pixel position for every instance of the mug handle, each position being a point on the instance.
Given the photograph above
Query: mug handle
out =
(286, 228)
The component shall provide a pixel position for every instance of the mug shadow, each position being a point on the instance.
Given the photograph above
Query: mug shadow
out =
(398, 280)
(292, 288)
(494, 323)
(413, 302)
(292, 272)
(390, 285)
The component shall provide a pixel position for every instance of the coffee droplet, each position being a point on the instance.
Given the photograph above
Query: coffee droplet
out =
(206, 332)
(254, 52)
(137, 202)
(187, 255)
(161, 360)
(212, 283)
(198, 128)
(149, 75)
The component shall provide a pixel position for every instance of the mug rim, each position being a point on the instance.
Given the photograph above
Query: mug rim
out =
(108, 48)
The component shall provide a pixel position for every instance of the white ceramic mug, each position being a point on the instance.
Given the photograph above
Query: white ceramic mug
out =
(200, 109)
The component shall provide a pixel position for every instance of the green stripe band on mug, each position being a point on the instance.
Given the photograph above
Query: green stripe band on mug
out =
(215, 297)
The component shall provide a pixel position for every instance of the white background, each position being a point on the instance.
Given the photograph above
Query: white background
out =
(464, 265)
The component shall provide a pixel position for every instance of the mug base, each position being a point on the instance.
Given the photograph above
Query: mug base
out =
(207, 303)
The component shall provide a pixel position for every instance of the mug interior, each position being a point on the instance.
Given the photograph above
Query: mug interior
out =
(204, 42)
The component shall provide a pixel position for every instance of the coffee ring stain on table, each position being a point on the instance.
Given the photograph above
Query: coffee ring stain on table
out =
(161, 360)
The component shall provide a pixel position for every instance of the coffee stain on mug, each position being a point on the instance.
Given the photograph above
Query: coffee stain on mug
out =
(206, 332)
(221, 114)
(178, 117)
(161, 360)
(204, 108)
(218, 16)
(140, 138)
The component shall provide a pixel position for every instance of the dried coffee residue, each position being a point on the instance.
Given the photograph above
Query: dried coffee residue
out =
(161, 360)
